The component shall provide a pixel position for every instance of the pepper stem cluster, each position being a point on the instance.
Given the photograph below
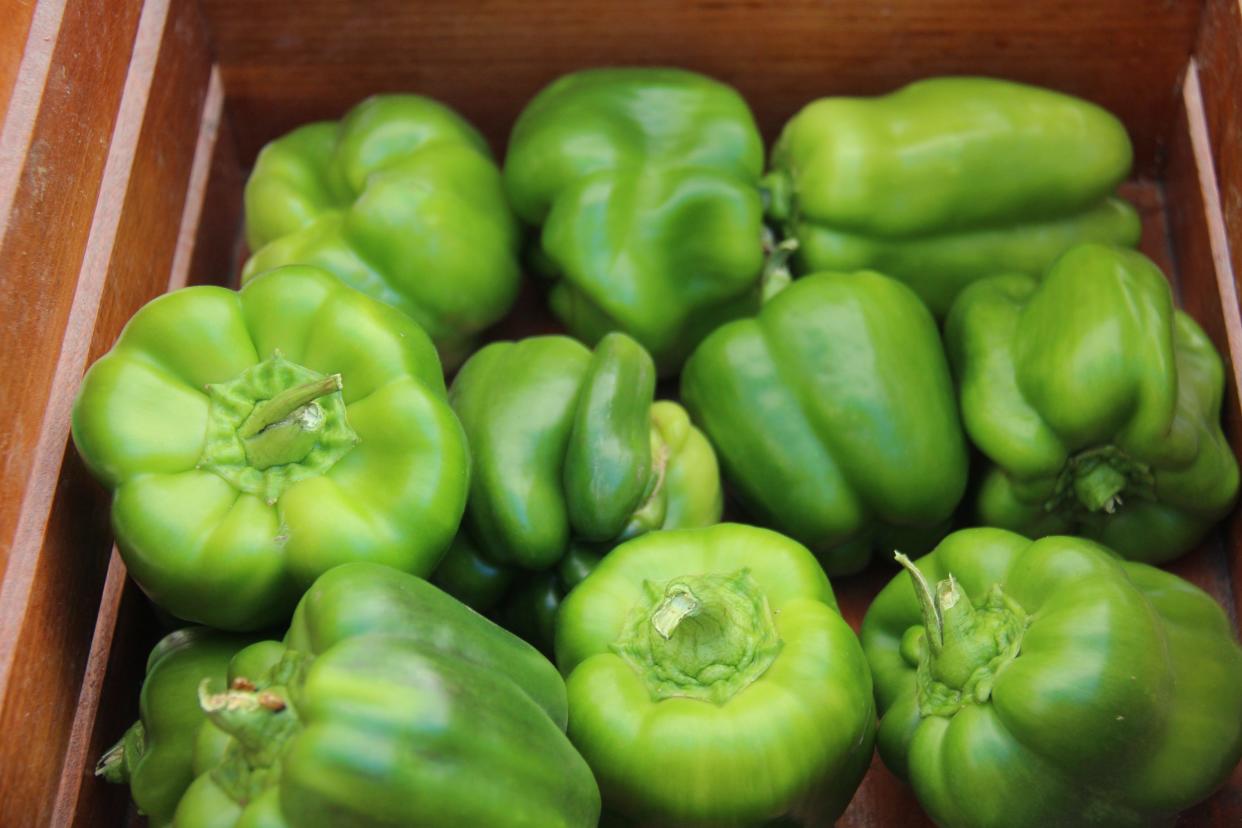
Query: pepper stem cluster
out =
(275, 424)
(261, 723)
(703, 637)
(285, 428)
(1099, 480)
(964, 646)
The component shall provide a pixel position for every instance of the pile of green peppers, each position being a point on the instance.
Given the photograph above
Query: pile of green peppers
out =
(506, 597)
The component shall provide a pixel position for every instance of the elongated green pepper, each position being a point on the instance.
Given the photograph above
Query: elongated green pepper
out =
(1050, 683)
(644, 184)
(400, 199)
(391, 705)
(949, 180)
(1098, 404)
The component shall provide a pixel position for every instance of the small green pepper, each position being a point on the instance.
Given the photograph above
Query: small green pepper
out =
(568, 445)
(155, 756)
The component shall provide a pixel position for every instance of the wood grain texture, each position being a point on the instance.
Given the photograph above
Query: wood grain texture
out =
(1209, 284)
(107, 703)
(286, 62)
(1218, 54)
(55, 144)
(59, 558)
(215, 256)
(18, 17)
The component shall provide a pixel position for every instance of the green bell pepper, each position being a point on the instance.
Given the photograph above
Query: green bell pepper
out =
(392, 705)
(471, 577)
(400, 199)
(155, 756)
(1098, 404)
(712, 681)
(567, 445)
(645, 186)
(1051, 683)
(530, 609)
(833, 414)
(949, 180)
(255, 439)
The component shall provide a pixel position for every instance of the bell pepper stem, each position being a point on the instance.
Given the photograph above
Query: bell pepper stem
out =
(1099, 489)
(955, 608)
(243, 714)
(285, 428)
(933, 620)
(114, 765)
(776, 273)
(282, 406)
(674, 609)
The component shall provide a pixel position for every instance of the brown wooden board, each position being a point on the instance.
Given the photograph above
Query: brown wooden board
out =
(287, 61)
(59, 559)
(19, 16)
(57, 135)
(1219, 57)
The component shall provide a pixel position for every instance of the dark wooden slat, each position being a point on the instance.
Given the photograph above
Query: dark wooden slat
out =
(1209, 286)
(286, 62)
(1219, 57)
(217, 235)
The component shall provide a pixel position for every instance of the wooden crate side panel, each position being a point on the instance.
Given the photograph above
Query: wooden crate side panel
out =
(1209, 284)
(1219, 56)
(19, 16)
(215, 257)
(289, 62)
(1209, 294)
(54, 147)
(59, 564)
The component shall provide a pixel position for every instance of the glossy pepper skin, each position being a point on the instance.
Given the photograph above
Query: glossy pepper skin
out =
(833, 414)
(644, 186)
(1097, 403)
(400, 199)
(531, 606)
(155, 756)
(1051, 683)
(567, 445)
(949, 180)
(393, 705)
(712, 681)
(254, 439)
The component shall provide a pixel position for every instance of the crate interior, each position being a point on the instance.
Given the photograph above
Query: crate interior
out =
(224, 76)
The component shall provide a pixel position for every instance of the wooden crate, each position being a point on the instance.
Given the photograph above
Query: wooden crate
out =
(129, 127)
